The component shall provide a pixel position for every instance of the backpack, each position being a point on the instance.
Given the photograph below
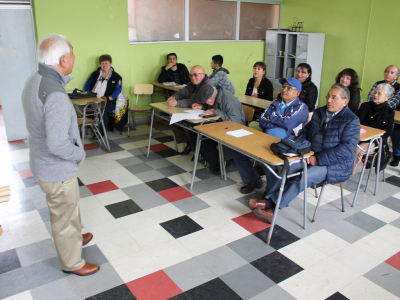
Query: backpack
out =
(78, 94)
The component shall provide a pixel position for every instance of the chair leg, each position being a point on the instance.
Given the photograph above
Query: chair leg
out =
(370, 171)
(383, 173)
(129, 127)
(319, 200)
(341, 194)
(316, 192)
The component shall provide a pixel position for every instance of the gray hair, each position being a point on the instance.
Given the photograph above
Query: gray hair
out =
(51, 48)
(398, 71)
(345, 91)
(215, 92)
(389, 90)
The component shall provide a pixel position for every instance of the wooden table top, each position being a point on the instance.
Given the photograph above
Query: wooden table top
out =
(253, 101)
(257, 144)
(371, 133)
(167, 87)
(175, 110)
(85, 101)
(397, 116)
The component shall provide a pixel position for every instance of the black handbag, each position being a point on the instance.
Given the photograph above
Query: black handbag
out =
(79, 94)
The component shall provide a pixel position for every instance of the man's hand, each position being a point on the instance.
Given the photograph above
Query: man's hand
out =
(312, 160)
(197, 106)
(172, 66)
(109, 97)
(172, 102)
(209, 111)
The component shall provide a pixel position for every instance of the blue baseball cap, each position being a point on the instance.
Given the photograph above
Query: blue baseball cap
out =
(292, 81)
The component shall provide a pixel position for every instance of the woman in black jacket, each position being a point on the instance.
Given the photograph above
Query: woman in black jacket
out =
(259, 86)
(309, 91)
(376, 114)
(349, 78)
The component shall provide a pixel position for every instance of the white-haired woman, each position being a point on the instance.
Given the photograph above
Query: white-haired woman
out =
(376, 114)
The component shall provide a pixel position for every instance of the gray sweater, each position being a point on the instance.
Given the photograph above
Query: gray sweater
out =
(56, 150)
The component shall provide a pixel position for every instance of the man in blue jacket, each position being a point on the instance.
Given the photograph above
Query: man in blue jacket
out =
(282, 118)
(334, 132)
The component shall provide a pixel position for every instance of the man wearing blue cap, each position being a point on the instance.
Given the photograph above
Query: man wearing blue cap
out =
(283, 117)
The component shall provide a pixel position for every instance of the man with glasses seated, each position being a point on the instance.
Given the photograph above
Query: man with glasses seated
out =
(334, 132)
(185, 98)
(283, 117)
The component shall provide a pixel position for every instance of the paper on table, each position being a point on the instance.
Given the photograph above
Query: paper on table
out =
(239, 133)
(183, 116)
(197, 111)
(179, 86)
(362, 130)
(169, 83)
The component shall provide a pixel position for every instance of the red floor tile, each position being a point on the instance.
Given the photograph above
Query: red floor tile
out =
(25, 173)
(394, 261)
(102, 187)
(175, 194)
(251, 222)
(158, 147)
(16, 142)
(90, 146)
(155, 286)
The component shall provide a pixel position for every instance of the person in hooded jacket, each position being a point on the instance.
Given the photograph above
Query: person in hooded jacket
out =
(219, 74)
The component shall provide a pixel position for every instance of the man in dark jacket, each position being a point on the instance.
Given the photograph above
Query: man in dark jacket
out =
(334, 132)
(391, 75)
(219, 74)
(174, 72)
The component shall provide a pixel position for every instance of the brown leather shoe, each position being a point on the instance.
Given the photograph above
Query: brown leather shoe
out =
(265, 214)
(87, 269)
(254, 203)
(86, 238)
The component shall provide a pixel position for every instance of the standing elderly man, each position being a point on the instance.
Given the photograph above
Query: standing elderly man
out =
(185, 98)
(333, 132)
(391, 75)
(56, 150)
(283, 117)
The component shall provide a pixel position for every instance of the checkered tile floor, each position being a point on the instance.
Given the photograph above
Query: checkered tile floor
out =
(156, 239)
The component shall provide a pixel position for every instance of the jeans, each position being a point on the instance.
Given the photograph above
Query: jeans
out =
(108, 108)
(396, 141)
(315, 175)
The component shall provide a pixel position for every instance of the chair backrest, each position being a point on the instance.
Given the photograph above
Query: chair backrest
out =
(143, 89)
(248, 113)
(275, 94)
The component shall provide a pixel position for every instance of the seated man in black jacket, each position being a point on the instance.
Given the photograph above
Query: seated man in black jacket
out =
(174, 72)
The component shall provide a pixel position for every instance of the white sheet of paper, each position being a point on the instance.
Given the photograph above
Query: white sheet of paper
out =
(195, 112)
(183, 116)
(239, 133)
(169, 83)
(180, 86)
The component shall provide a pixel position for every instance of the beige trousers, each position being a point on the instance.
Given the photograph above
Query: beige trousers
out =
(65, 217)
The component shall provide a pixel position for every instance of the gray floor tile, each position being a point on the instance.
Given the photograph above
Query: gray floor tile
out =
(16, 206)
(93, 255)
(144, 196)
(392, 203)
(44, 214)
(84, 192)
(138, 168)
(205, 173)
(386, 277)
(48, 227)
(189, 274)
(190, 205)
(139, 151)
(171, 170)
(17, 147)
(62, 289)
(396, 223)
(36, 252)
(247, 281)
(276, 292)
(157, 134)
(348, 232)
(22, 166)
(365, 221)
(43, 272)
(105, 279)
(250, 248)
(12, 283)
(30, 192)
(210, 184)
(9, 261)
(149, 175)
(152, 156)
(131, 139)
(221, 260)
(39, 201)
(160, 163)
(129, 161)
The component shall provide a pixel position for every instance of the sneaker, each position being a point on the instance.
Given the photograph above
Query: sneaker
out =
(250, 187)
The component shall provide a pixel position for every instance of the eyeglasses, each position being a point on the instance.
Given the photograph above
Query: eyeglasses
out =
(195, 75)
(334, 98)
(288, 88)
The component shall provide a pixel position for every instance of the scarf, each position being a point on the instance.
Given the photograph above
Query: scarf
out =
(101, 85)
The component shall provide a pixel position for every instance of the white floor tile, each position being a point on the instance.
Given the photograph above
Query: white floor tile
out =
(377, 247)
(112, 197)
(119, 155)
(169, 253)
(96, 216)
(126, 181)
(21, 296)
(390, 234)
(105, 231)
(331, 193)
(208, 217)
(326, 242)
(228, 232)
(24, 220)
(184, 162)
(364, 289)
(6, 241)
(382, 213)
(117, 173)
(119, 246)
(183, 179)
(152, 236)
(93, 178)
(164, 213)
(200, 242)
(137, 222)
(26, 235)
(90, 204)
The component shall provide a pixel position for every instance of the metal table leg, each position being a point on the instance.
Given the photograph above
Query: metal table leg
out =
(151, 131)
(196, 158)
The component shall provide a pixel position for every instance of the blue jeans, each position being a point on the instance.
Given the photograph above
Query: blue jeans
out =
(107, 109)
(245, 167)
(396, 141)
(315, 175)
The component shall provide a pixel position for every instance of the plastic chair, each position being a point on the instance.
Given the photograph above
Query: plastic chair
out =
(140, 89)
(248, 113)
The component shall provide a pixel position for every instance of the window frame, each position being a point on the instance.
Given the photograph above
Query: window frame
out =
(238, 2)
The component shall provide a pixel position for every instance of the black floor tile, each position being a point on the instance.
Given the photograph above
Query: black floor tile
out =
(215, 289)
(80, 182)
(280, 237)
(393, 180)
(171, 171)
(161, 184)
(167, 153)
(179, 297)
(120, 292)
(123, 208)
(30, 182)
(9, 261)
(276, 266)
(392, 203)
(181, 226)
(165, 139)
(337, 296)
